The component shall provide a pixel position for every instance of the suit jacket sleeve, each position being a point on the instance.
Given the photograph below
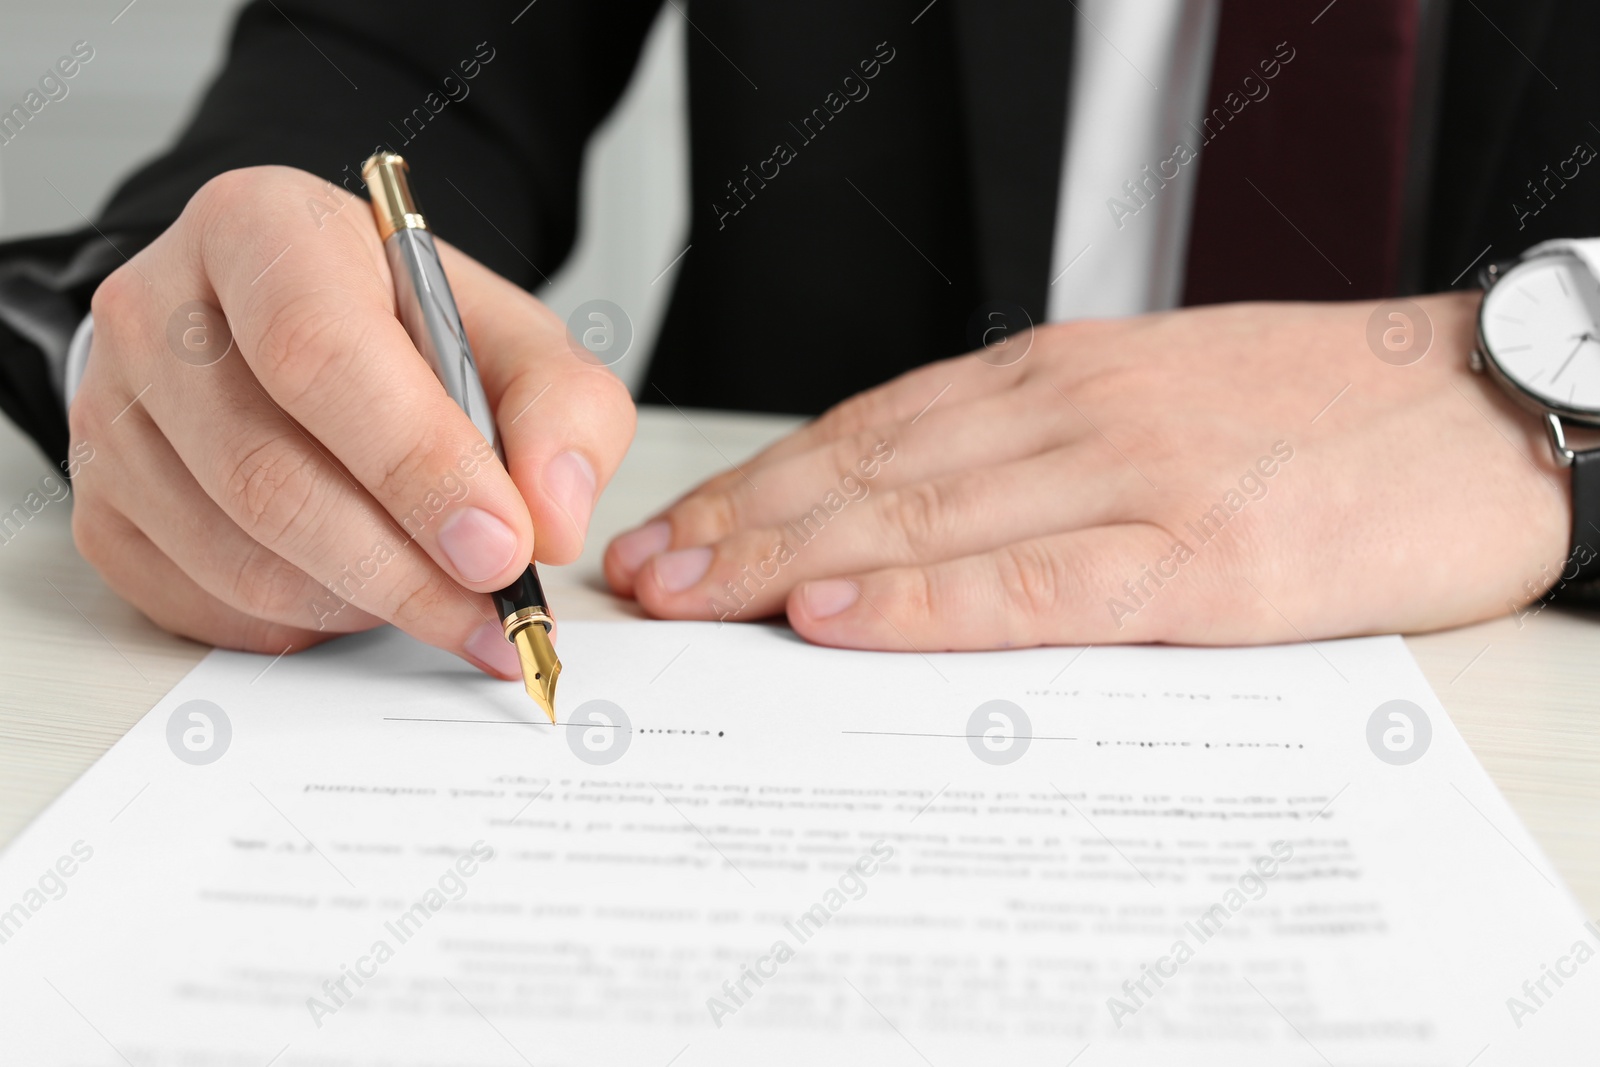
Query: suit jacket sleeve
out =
(492, 102)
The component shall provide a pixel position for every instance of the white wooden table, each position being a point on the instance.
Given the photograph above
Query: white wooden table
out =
(1525, 694)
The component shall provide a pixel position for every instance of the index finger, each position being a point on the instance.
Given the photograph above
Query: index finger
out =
(565, 422)
(904, 399)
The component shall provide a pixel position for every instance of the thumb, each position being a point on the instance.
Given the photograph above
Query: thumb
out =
(565, 421)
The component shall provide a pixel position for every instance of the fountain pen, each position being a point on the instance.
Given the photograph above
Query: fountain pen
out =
(429, 314)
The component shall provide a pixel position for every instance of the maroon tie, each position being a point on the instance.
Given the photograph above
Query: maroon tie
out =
(1302, 173)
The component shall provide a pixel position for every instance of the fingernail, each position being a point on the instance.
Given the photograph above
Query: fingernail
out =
(570, 481)
(828, 597)
(636, 546)
(677, 571)
(488, 643)
(478, 545)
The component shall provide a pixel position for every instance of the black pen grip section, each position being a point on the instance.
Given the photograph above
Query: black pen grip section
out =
(525, 592)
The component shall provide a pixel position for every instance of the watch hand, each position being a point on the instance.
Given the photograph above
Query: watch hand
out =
(1570, 356)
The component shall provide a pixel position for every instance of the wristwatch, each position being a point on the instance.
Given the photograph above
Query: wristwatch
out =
(1539, 339)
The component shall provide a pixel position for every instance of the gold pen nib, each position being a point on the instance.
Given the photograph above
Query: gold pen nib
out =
(540, 667)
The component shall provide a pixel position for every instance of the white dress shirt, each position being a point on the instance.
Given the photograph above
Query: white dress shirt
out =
(1140, 74)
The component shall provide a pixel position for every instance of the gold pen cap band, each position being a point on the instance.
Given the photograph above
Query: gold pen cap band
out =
(392, 203)
(524, 617)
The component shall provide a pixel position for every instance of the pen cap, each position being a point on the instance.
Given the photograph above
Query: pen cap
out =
(393, 206)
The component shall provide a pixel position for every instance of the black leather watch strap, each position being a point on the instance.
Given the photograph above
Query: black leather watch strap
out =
(1585, 558)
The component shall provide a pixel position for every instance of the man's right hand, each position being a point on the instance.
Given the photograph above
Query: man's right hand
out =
(273, 462)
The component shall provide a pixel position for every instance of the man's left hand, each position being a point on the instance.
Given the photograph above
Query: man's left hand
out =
(1235, 474)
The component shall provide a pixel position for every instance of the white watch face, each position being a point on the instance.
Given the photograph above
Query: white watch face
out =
(1541, 324)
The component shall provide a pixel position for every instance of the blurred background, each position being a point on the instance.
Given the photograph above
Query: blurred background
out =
(153, 58)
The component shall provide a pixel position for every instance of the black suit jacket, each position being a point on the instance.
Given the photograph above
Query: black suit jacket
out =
(845, 227)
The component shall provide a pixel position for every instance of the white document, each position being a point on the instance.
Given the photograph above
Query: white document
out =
(746, 850)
